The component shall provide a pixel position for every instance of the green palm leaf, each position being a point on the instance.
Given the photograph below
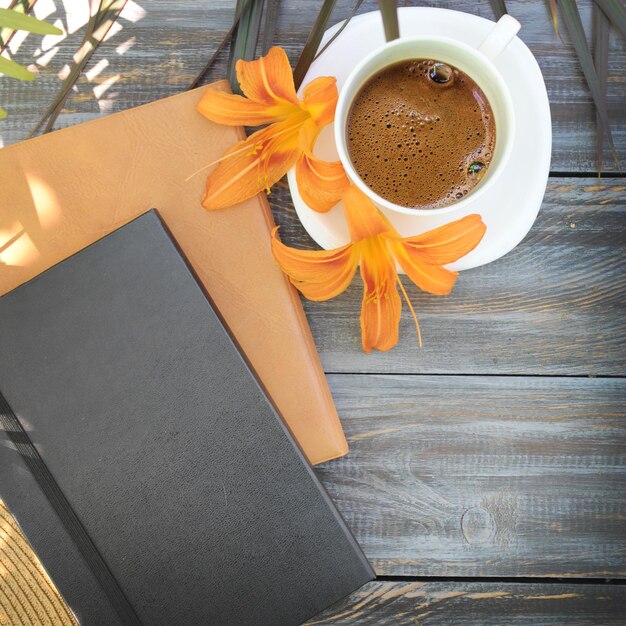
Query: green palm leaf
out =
(19, 21)
(227, 37)
(389, 11)
(616, 13)
(499, 8)
(313, 41)
(99, 24)
(6, 34)
(355, 8)
(600, 38)
(570, 17)
(555, 18)
(15, 70)
(11, 20)
(272, 11)
(243, 45)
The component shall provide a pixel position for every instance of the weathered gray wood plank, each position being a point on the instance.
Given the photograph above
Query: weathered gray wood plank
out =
(554, 305)
(483, 476)
(470, 604)
(169, 42)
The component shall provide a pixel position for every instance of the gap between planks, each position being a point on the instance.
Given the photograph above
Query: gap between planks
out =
(527, 580)
(477, 375)
(587, 175)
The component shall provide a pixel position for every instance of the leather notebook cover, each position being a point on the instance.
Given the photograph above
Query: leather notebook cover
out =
(192, 502)
(63, 191)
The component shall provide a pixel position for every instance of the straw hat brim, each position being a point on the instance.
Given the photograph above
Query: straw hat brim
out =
(28, 597)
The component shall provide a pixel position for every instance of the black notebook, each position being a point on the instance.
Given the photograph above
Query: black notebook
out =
(165, 488)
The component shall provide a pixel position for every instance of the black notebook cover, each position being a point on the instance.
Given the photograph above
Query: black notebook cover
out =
(184, 498)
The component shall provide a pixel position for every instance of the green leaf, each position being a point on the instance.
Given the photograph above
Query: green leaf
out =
(15, 70)
(198, 79)
(499, 8)
(272, 10)
(6, 34)
(600, 34)
(616, 13)
(18, 21)
(227, 37)
(313, 41)
(243, 46)
(389, 12)
(570, 17)
(97, 28)
(555, 18)
(340, 29)
(3, 113)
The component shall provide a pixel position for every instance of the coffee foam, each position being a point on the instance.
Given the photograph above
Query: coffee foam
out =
(412, 140)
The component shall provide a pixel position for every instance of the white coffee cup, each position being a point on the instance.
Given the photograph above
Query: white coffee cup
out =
(475, 62)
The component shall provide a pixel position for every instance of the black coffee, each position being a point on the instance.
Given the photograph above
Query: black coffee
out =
(421, 134)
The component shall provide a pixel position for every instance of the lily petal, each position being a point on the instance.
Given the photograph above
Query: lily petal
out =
(381, 306)
(318, 274)
(364, 219)
(320, 183)
(430, 278)
(232, 110)
(268, 80)
(319, 98)
(448, 242)
(252, 165)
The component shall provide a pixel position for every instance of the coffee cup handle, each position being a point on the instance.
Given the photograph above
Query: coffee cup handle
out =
(500, 37)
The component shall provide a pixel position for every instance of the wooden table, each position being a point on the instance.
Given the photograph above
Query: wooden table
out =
(486, 479)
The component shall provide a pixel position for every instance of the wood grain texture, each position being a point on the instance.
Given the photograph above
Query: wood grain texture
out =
(162, 45)
(472, 604)
(483, 476)
(553, 306)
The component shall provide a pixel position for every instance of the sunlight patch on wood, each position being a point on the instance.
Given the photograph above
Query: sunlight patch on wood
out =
(76, 14)
(17, 40)
(44, 8)
(126, 46)
(63, 72)
(44, 59)
(50, 41)
(116, 27)
(96, 69)
(133, 12)
(106, 105)
(99, 90)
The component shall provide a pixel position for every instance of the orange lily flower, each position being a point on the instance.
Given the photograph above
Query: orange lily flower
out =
(377, 247)
(263, 158)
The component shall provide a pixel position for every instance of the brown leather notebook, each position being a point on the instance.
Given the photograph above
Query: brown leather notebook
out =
(63, 191)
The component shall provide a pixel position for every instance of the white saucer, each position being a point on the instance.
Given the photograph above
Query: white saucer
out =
(511, 206)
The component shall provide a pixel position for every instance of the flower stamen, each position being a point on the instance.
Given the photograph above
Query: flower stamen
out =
(406, 298)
